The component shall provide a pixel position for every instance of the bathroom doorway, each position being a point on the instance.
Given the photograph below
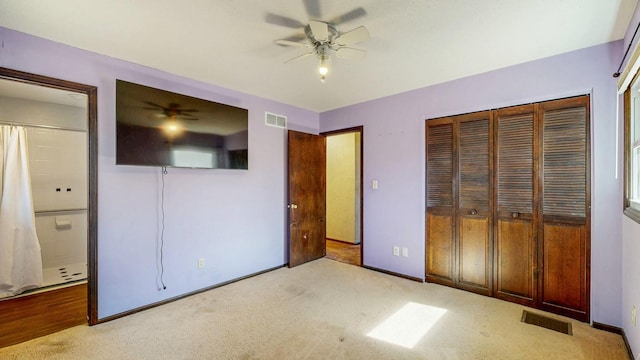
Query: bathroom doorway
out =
(59, 119)
(344, 195)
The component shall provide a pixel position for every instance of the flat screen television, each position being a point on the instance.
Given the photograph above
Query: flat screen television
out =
(160, 128)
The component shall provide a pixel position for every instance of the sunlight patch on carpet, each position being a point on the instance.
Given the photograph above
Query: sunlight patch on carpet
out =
(408, 325)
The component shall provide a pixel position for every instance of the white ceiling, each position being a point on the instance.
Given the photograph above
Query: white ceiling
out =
(414, 43)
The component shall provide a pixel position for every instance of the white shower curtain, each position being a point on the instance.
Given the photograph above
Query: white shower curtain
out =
(20, 258)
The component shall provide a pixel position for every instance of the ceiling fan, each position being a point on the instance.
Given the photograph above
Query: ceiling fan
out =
(171, 111)
(322, 38)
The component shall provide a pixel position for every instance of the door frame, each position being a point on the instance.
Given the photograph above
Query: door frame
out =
(360, 130)
(92, 152)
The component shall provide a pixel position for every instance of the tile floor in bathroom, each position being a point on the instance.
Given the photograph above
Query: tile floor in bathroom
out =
(64, 274)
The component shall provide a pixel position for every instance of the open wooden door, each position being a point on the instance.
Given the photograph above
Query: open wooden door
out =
(306, 197)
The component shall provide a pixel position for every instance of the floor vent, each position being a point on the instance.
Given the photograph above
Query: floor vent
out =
(275, 120)
(546, 322)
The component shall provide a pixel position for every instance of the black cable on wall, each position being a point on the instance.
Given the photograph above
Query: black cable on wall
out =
(164, 287)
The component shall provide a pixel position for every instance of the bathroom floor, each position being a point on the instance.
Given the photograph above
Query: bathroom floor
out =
(64, 274)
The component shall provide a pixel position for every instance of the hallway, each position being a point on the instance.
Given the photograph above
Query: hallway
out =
(344, 252)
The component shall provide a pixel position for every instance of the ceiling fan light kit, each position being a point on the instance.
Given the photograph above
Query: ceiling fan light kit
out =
(322, 38)
(323, 58)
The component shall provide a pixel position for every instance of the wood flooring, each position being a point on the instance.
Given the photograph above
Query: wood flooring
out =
(344, 252)
(28, 317)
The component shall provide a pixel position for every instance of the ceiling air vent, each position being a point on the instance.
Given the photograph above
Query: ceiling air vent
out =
(275, 120)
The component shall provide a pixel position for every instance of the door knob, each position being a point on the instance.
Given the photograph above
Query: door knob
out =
(515, 215)
(473, 212)
(292, 206)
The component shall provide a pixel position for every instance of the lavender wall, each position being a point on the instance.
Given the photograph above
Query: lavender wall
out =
(232, 218)
(394, 155)
(630, 240)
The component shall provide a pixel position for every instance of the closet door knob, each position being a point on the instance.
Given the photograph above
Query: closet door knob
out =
(515, 215)
(473, 212)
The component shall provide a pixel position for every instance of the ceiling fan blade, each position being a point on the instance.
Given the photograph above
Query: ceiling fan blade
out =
(153, 104)
(354, 36)
(351, 15)
(313, 8)
(284, 42)
(350, 53)
(320, 30)
(283, 21)
(301, 56)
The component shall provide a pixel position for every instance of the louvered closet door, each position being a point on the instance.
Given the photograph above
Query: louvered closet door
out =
(564, 234)
(440, 203)
(474, 216)
(515, 218)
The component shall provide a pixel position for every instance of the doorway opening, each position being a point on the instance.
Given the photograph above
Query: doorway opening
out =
(64, 209)
(344, 195)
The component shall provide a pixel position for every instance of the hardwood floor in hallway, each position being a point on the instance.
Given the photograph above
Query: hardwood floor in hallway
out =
(344, 252)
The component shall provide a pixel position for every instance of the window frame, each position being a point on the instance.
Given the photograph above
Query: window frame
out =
(631, 206)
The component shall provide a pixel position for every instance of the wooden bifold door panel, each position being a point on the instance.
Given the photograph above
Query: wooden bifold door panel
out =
(507, 204)
(564, 229)
(440, 211)
(515, 185)
(473, 215)
(458, 216)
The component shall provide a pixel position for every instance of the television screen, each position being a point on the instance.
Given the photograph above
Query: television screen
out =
(160, 128)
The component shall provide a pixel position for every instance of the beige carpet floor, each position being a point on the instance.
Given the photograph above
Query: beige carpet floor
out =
(325, 310)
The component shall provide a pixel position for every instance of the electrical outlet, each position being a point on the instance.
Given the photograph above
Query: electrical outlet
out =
(405, 252)
(396, 251)
(201, 263)
(633, 315)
